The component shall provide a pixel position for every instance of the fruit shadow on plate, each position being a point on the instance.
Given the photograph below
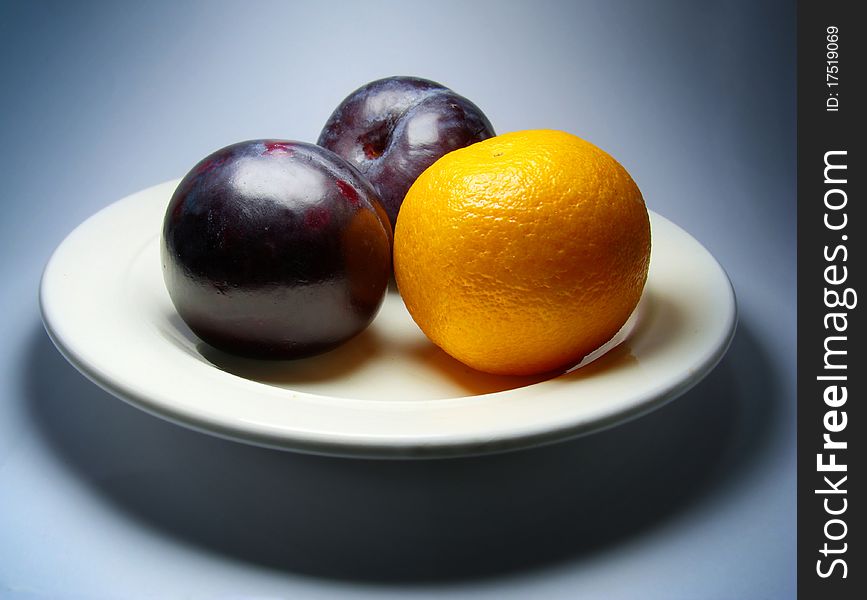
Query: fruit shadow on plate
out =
(421, 370)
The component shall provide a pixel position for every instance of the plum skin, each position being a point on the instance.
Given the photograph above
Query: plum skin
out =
(392, 129)
(275, 249)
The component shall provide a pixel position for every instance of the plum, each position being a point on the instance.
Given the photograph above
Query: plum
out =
(275, 249)
(393, 129)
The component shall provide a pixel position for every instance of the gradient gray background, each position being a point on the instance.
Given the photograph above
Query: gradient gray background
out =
(694, 501)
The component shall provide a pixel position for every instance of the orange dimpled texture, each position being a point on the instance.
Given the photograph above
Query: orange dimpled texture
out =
(523, 253)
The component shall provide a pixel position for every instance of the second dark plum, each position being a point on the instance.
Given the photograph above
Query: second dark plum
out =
(393, 129)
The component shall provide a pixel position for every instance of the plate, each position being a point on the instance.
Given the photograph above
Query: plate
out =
(389, 392)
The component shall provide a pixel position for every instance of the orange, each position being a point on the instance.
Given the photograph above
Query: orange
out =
(523, 253)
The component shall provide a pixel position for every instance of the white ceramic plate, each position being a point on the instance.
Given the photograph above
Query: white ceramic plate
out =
(387, 393)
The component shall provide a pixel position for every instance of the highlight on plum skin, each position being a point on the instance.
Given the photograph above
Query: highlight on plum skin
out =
(275, 249)
(392, 129)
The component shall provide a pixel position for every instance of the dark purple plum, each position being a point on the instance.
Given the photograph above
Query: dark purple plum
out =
(393, 129)
(276, 249)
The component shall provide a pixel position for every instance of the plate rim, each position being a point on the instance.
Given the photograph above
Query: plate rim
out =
(395, 446)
